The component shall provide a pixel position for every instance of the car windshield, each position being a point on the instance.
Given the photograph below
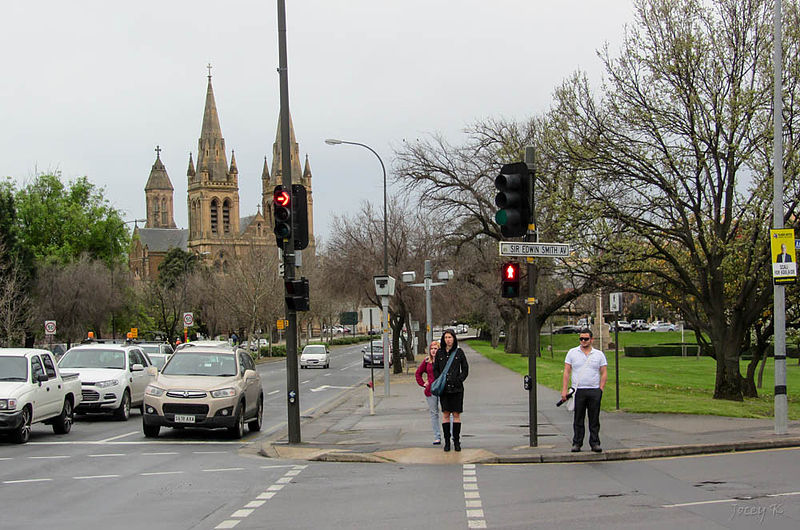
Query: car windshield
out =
(93, 358)
(201, 363)
(158, 360)
(318, 350)
(13, 369)
(150, 348)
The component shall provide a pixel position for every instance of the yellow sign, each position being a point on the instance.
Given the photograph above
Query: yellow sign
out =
(282, 324)
(134, 333)
(784, 258)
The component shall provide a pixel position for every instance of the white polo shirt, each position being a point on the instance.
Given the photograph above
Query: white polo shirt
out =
(590, 377)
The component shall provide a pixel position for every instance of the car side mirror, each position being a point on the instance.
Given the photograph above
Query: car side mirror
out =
(249, 374)
(137, 367)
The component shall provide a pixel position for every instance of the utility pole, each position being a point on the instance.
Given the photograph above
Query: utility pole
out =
(292, 382)
(533, 342)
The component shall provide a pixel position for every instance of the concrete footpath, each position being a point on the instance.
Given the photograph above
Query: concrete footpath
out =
(495, 427)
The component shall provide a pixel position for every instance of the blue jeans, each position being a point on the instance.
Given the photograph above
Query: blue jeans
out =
(433, 408)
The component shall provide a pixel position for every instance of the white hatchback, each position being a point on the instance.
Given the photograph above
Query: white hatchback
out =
(315, 355)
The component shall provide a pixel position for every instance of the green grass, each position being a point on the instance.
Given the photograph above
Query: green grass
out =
(682, 385)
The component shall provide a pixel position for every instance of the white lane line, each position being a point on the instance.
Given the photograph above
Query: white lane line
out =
(118, 437)
(161, 454)
(89, 477)
(45, 457)
(27, 480)
(276, 466)
(293, 472)
(284, 480)
(227, 524)
(327, 375)
(472, 499)
(784, 494)
(106, 454)
(155, 473)
(4, 458)
(209, 452)
(241, 513)
(254, 504)
(224, 469)
(275, 487)
(273, 392)
(699, 503)
(306, 381)
(267, 495)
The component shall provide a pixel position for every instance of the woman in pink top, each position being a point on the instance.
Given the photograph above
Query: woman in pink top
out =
(426, 367)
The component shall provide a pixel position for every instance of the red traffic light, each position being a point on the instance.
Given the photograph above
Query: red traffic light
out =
(511, 271)
(281, 197)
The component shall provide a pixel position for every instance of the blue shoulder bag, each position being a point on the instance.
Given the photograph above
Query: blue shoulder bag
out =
(437, 388)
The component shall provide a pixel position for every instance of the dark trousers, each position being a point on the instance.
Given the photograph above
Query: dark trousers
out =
(587, 400)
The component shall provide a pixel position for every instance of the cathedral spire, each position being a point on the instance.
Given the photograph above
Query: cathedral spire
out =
(211, 157)
(190, 172)
(233, 169)
(158, 194)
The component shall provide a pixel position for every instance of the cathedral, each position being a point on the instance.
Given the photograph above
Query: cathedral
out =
(216, 232)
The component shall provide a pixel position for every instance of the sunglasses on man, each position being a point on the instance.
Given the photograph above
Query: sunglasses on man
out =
(585, 338)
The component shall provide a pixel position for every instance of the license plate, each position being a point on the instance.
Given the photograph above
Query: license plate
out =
(184, 418)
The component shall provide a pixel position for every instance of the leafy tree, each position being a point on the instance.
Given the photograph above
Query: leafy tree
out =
(675, 153)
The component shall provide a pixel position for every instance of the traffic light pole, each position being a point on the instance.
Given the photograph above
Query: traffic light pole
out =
(533, 350)
(292, 376)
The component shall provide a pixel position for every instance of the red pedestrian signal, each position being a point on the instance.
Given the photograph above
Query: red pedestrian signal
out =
(510, 286)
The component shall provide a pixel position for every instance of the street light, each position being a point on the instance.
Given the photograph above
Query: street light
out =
(384, 299)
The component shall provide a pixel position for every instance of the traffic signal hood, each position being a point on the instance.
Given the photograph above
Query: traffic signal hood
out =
(513, 199)
(510, 286)
(297, 294)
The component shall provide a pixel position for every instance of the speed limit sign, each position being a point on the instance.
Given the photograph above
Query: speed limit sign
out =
(49, 327)
(188, 320)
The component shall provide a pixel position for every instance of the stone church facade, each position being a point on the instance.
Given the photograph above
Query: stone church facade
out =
(216, 231)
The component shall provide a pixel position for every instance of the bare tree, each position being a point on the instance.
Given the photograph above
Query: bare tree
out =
(675, 154)
(15, 305)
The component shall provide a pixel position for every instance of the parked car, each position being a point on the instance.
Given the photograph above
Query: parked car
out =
(661, 326)
(315, 355)
(375, 359)
(113, 376)
(564, 330)
(623, 325)
(257, 344)
(158, 352)
(205, 387)
(639, 324)
(33, 390)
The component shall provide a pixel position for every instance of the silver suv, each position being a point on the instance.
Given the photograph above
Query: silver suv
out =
(205, 387)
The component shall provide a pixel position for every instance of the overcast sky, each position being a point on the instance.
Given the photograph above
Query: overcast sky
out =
(91, 87)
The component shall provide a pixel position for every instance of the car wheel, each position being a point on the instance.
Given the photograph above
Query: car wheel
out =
(255, 425)
(150, 431)
(23, 432)
(63, 423)
(123, 412)
(237, 429)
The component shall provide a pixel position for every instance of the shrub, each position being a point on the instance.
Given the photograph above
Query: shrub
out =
(665, 350)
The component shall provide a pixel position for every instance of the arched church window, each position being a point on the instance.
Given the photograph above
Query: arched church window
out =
(155, 213)
(226, 216)
(164, 220)
(214, 216)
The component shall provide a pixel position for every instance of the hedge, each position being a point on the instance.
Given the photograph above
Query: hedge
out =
(665, 350)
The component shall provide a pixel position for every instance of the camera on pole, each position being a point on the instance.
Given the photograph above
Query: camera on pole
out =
(513, 199)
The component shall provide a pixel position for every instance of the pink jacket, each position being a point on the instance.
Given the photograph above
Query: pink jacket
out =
(427, 368)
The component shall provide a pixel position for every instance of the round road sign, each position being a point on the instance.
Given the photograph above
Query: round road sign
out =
(188, 320)
(50, 327)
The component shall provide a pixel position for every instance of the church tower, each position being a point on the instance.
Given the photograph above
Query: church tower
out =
(213, 188)
(158, 194)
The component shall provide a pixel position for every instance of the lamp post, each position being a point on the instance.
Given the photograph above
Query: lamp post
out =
(384, 299)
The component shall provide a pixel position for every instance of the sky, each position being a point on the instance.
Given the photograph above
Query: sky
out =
(91, 87)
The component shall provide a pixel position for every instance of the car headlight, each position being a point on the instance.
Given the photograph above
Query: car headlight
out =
(151, 390)
(223, 392)
(106, 384)
(8, 404)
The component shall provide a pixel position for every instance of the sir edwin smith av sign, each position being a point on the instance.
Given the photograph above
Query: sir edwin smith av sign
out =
(541, 250)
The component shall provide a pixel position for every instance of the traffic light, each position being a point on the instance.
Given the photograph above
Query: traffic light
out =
(282, 214)
(300, 216)
(297, 294)
(510, 275)
(513, 199)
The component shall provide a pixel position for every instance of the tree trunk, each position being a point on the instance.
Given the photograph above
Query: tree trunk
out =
(748, 383)
(728, 383)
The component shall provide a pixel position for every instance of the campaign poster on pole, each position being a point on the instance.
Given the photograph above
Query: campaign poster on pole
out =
(784, 255)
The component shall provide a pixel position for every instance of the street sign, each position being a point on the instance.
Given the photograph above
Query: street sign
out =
(188, 320)
(784, 261)
(134, 333)
(615, 300)
(282, 324)
(542, 250)
(49, 327)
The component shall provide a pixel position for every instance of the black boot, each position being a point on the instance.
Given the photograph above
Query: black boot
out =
(457, 436)
(446, 435)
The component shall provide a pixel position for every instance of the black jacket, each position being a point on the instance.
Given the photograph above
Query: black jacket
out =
(459, 370)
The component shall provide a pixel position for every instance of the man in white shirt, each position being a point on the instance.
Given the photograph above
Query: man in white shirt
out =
(587, 369)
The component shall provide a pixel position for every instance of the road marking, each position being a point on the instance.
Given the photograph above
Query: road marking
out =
(327, 375)
(224, 469)
(154, 473)
(326, 387)
(88, 477)
(306, 381)
(106, 454)
(5, 458)
(27, 480)
(273, 392)
(783, 494)
(44, 457)
(209, 452)
(161, 454)
(472, 498)
(146, 442)
(276, 466)
(262, 498)
(117, 437)
(723, 501)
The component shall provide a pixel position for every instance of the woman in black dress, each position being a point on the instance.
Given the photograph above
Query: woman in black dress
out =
(452, 400)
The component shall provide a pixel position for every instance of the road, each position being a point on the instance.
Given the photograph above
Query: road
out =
(106, 472)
